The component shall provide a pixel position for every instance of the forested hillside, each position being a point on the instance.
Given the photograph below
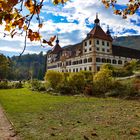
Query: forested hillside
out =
(27, 66)
(128, 41)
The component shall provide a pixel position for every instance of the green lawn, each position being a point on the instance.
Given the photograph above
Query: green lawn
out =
(44, 117)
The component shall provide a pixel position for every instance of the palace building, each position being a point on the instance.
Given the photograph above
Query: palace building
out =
(95, 50)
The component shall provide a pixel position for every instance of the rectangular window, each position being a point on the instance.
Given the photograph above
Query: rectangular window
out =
(85, 43)
(103, 49)
(90, 68)
(85, 68)
(90, 42)
(98, 68)
(73, 70)
(103, 43)
(77, 70)
(107, 43)
(90, 49)
(108, 50)
(97, 49)
(97, 42)
(85, 50)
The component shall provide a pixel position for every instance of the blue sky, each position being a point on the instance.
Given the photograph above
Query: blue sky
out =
(72, 22)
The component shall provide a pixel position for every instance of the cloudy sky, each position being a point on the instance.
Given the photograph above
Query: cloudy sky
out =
(72, 22)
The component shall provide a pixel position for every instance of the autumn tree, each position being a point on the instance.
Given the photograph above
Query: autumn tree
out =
(16, 23)
(130, 8)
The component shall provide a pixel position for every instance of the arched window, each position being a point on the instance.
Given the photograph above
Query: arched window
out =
(108, 60)
(67, 63)
(103, 60)
(120, 62)
(85, 60)
(98, 60)
(114, 61)
(89, 59)
(125, 62)
(80, 61)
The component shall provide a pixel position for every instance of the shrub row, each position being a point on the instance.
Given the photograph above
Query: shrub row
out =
(10, 85)
(68, 83)
(101, 84)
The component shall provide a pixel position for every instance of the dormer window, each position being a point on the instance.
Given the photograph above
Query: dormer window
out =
(97, 42)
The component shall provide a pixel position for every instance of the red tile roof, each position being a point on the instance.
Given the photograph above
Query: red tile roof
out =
(56, 49)
(97, 32)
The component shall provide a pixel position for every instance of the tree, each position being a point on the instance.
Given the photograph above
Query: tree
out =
(102, 80)
(4, 67)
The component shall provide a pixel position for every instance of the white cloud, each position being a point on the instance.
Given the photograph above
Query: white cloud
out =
(74, 32)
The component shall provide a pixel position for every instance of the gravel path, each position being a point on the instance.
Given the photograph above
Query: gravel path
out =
(6, 130)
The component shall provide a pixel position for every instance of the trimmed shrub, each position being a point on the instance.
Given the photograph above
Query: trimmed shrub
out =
(54, 79)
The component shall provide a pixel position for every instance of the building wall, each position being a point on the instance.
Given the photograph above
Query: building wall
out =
(95, 53)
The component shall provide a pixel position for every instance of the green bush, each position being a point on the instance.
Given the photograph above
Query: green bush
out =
(88, 77)
(77, 82)
(4, 85)
(102, 82)
(54, 79)
(17, 85)
(127, 89)
(88, 90)
(117, 89)
(66, 89)
(73, 84)
(121, 72)
(35, 85)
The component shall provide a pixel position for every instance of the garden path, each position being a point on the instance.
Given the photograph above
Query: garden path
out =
(6, 129)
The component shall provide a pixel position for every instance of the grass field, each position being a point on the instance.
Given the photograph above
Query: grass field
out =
(45, 117)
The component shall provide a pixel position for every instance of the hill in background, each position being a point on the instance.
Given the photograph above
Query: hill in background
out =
(128, 41)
